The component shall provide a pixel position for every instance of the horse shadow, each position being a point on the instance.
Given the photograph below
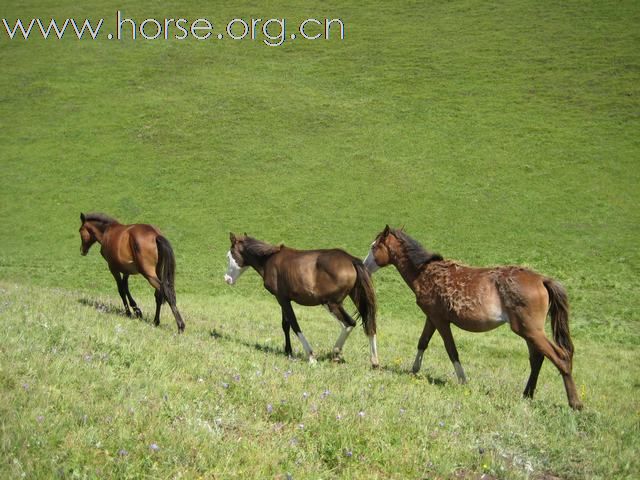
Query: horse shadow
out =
(323, 357)
(398, 370)
(260, 347)
(108, 308)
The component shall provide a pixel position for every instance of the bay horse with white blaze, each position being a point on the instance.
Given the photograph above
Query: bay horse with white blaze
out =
(309, 277)
(132, 249)
(479, 300)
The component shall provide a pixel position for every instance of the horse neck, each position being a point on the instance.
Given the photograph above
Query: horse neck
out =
(99, 230)
(258, 262)
(406, 269)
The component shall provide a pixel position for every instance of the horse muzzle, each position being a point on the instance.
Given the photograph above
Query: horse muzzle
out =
(370, 264)
(229, 279)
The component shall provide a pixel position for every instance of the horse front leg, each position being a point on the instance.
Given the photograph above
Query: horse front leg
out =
(423, 343)
(445, 332)
(291, 318)
(121, 290)
(132, 302)
(287, 337)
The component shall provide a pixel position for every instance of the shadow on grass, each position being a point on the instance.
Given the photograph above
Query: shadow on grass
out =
(398, 370)
(217, 334)
(109, 309)
(324, 357)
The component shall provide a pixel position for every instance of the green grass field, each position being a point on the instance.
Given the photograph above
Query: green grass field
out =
(496, 133)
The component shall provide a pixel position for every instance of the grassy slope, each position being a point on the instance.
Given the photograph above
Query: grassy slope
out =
(89, 392)
(498, 133)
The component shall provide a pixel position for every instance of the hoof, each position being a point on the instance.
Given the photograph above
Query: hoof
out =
(138, 312)
(312, 360)
(128, 313)
(375, 366)
(577, 406)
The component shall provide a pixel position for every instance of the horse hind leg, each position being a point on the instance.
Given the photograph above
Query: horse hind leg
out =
(176, 313)
(564, 366)
(346, 322)
(161, 295)
(535, 361)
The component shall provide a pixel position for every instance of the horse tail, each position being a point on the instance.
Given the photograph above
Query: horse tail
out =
(166, 270)
(559, 312)
(364, 296)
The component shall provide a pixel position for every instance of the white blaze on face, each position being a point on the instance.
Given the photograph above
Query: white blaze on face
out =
(233, 270)
(370, 262)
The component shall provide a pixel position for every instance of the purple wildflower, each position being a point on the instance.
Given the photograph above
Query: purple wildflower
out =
(154, 447)
(348, 453)
(225, 385)
(236, 377)
(361, 413)
(123, 453)
(269, 408)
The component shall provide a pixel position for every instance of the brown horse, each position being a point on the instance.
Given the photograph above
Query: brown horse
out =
(479, 300)
(309, 277)
(131, 249)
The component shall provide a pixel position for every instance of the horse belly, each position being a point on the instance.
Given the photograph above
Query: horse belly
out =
(481, 324)
(485, 315)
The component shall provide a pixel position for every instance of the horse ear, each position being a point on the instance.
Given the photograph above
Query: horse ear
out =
(232, 237)
(386, 231)
(82, 217)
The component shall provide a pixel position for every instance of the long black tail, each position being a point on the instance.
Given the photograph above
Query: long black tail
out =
(559, 312)
(166, 270)
(364, 296)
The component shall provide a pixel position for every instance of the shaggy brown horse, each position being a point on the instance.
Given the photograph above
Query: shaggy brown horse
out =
(131, 249)
(479, 300)
(309, 277)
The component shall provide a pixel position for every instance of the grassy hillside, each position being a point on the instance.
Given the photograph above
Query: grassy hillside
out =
(89, 393)
(496, 133)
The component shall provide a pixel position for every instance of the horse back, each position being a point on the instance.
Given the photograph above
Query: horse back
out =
(131, 248)
(310, 277)
(480, 298)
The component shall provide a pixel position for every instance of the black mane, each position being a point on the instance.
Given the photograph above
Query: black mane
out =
(416, 253)
(258, 248)
(100, 218)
